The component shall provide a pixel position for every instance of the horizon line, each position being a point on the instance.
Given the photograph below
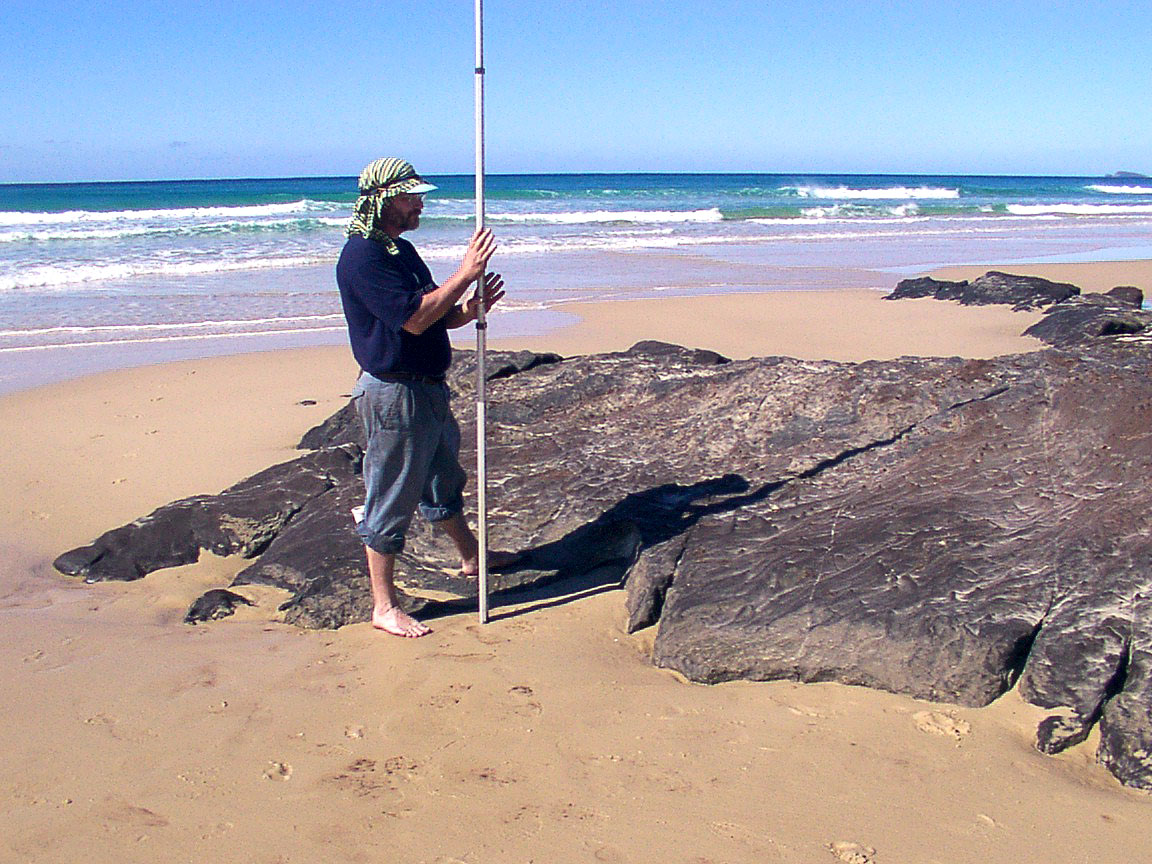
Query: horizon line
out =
(1118, 175)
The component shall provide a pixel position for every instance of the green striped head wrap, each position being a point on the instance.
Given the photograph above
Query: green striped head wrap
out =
(381, 181)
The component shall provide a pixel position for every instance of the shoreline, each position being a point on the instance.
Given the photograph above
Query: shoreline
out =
(576, 327)
(546, 734)
(801, 324)
(591, 326)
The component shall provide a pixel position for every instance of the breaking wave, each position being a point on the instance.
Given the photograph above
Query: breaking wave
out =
(247, 211)
(879, 194)
(1120, 190)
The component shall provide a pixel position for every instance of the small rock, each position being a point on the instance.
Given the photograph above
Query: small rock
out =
(213, 604)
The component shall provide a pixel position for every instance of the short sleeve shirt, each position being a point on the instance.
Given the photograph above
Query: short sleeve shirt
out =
(380, 292)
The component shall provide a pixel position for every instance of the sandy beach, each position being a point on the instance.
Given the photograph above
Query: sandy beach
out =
(849, 326)
(543, 736)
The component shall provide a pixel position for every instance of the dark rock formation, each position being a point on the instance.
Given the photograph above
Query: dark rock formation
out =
(693, 355)
(1019, 292)
(1129, 294)
(242, 520)
(341, 427)
(927, 286)
(521, 361)
(1080, 320)
(941, 527)
(1069, 317)
(213, 604)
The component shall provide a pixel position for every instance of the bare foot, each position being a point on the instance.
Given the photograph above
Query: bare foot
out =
(496, 561)
(396, 621)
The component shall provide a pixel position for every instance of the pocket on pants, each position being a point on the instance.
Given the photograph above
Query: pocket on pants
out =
(385, 406)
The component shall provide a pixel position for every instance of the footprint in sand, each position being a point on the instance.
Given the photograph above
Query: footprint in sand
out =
(939, 723)
(526, 705)
(852, 853)
(278, 771)
(118, 812)
(366, 778)
(485, 637)
(492, 775)
(805, 711)
(527, 818)
(449, 697)
(607, 854)
(744, 835)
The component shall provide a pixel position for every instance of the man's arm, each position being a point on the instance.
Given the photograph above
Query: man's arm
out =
(438, 303)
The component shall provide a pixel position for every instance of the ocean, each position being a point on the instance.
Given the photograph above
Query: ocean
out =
(101, 275)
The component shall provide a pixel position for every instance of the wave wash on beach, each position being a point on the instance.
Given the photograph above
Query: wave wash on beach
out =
(217, 266)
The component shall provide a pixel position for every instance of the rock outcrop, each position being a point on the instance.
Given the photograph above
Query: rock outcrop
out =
(941, 527)
(1020, 292)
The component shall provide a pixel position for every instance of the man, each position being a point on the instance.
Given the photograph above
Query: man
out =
(398, 321)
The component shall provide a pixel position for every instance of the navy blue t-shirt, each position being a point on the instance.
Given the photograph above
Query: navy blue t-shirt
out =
(380, 292)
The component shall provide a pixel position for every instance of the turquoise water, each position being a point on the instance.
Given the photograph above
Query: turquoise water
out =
(181, 268)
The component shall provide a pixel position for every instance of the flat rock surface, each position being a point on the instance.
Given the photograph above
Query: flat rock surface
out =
(940, 527)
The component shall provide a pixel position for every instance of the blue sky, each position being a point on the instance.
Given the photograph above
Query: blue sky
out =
(135, 90)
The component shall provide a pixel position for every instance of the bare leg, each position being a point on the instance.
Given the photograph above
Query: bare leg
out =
(386, 612)
(456, 527)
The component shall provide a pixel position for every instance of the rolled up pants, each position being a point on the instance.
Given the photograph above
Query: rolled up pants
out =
(411, 460)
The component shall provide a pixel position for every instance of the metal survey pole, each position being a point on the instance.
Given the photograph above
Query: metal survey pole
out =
(481, 333)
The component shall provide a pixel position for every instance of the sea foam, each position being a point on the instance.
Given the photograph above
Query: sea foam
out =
(1078, 209)
(68, 217)
(853, 212)
(82, 231)
(596, 216)
(892, 193)
(56, 276)
(1120, 190)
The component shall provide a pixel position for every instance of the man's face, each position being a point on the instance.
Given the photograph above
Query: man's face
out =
(404, 212)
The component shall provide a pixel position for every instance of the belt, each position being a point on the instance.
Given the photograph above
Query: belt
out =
(408, 376)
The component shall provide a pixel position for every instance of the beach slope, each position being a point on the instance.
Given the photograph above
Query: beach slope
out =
(546, 735)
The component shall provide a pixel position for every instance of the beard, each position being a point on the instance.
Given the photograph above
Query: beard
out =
(397, 222)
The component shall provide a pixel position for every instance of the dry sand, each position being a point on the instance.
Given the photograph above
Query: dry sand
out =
(543, 736)
(814, 325)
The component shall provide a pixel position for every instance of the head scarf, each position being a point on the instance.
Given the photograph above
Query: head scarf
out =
(380, 182)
